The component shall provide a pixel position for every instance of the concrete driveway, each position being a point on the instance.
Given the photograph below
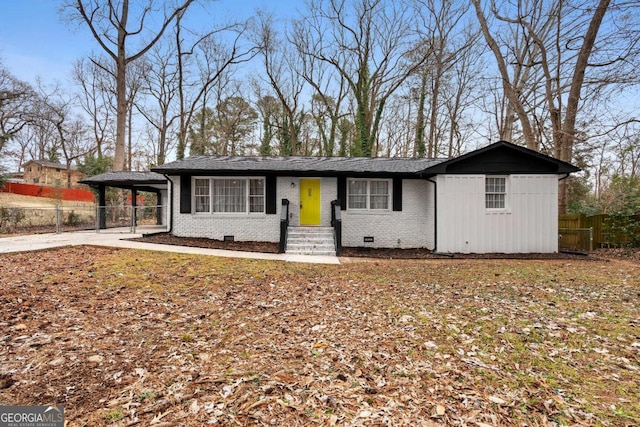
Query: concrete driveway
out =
(118, 238)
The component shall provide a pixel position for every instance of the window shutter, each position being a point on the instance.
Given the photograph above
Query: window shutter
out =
(397, 194)
(342, 192)
(270, 188)
(185, 194)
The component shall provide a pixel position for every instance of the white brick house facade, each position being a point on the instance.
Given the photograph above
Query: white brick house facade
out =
(410, 228)
(244, 227)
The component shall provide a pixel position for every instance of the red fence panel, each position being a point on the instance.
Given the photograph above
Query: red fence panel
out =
(70, 194)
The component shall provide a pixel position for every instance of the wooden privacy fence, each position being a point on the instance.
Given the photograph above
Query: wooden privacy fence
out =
(603, 234)
(569, 226)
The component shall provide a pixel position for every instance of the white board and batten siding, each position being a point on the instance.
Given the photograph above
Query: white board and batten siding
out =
(528, 224)
(410, 228)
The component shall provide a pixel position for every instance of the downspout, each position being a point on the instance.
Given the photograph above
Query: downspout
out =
(435, 214)
(170, 195)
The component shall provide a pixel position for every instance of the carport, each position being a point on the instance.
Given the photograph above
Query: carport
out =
(133, 181)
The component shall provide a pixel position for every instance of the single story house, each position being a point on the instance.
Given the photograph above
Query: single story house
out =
(502, 198)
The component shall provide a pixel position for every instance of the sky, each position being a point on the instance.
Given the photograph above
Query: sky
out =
(36, 42)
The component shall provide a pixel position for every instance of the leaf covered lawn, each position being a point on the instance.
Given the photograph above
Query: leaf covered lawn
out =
(123, 337)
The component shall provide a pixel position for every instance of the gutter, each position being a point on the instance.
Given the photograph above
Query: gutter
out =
(170, 204)
(435, 214)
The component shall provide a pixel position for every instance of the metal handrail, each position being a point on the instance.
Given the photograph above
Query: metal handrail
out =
(336, 223)
(284, 225)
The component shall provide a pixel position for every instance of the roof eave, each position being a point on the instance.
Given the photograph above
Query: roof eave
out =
(278, 172)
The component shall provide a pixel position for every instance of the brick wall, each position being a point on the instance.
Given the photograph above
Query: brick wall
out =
(243, 227)
(413, 227)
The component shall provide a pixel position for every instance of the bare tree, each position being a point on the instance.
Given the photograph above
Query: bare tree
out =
(523, 57)
(562, 43)
(269, 109)
(135, 77)
(443, 81)
(22, 146)
(284, 78)
(70, 132)
(160, 83)
(399, 124)
(16, 98)
(203, 60)
(373, 46)
(110, 25)
(462, 96)
(330, 90)
(96, 96)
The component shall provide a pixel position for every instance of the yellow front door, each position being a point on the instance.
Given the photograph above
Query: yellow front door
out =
(309, 202)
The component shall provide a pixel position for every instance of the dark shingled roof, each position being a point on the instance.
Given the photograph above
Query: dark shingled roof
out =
(127, 179)
(485, 160)
(306, 165)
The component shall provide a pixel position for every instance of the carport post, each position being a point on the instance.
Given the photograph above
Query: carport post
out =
(158, 208)
(102, 206)
(134, 204)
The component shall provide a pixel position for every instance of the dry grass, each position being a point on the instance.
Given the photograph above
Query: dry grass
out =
(20, 201)
(122, 337)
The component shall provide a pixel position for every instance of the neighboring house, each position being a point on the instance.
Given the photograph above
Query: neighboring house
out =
(499, 199)
(42, 172)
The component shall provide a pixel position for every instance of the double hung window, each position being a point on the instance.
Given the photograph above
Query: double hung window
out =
(229, 195)
(495, 192)
(365, 194)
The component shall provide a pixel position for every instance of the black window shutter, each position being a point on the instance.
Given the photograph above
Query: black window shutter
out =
(185, 194)
(342, 192)
(270, 188)
(397, 194)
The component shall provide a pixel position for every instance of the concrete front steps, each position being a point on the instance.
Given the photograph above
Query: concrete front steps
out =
(310, 241)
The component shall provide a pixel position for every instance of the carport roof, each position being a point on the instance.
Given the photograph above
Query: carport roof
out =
(144, 181)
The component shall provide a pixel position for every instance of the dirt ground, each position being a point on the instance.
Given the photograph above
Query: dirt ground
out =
(124, 337)
(168, 239)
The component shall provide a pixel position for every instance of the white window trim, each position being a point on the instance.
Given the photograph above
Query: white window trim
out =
(246, 179)
(368, 208)
(193, 195)
(506, 193)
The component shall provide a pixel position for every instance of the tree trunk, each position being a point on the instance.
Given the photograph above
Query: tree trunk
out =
(121, 90)
(509, 90)
(420, 145)
(564, 147)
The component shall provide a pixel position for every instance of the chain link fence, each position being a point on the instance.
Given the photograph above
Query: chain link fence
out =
(54, 219)
(58, 219)
(128, 216)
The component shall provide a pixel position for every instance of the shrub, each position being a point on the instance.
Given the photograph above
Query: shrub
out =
(623, 229)
(73, 219)
(10, 218)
